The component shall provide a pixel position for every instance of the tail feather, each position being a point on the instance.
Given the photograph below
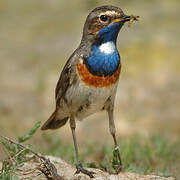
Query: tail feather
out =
(53, 122)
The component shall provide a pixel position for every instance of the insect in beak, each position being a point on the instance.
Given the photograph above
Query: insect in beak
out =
(126, 18)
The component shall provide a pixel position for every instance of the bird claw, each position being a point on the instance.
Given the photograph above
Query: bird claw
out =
(117, 164)
(80, 168)
(120, 169)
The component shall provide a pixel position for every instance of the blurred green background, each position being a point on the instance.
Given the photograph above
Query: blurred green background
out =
(36, 39)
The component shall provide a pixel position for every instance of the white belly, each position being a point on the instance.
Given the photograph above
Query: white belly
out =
(87, 100)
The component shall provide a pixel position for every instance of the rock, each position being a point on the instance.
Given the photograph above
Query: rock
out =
(67, 172)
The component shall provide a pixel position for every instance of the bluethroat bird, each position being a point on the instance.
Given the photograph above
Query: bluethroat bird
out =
(89, 80)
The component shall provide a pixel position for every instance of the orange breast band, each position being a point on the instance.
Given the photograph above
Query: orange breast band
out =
(94, 80)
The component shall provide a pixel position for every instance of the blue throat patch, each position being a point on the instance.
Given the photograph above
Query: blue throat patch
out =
(100, 63)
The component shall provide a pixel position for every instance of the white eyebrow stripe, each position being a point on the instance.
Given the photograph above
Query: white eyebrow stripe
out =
(109, 13)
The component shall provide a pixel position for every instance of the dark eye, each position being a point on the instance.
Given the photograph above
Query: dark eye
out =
(103, 18)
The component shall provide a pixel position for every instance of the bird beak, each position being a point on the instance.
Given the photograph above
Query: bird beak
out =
(125, 18)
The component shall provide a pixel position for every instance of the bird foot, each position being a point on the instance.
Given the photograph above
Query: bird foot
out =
(119, 169)
(80, 168)
(117, 163)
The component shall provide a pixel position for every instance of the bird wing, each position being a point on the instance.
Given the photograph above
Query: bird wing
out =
(67, 78)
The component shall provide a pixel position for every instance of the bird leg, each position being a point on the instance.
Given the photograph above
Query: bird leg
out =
(116, 151)
(79, 166)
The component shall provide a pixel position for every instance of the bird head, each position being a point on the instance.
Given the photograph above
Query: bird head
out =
(104, 23)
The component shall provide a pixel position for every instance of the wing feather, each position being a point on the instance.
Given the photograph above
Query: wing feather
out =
(67, 78)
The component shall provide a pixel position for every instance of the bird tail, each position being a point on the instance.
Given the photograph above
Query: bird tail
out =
(53, 122)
